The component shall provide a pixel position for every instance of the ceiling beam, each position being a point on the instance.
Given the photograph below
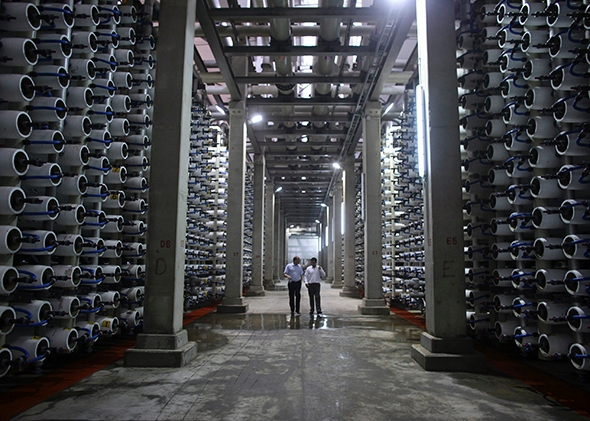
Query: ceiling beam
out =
(217, 50)
(297, 79)
(289, 100)
(298, 50)
(295, 14)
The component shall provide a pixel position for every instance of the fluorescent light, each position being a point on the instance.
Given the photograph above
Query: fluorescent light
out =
(388, 108)
(336, 165)
(323, 205)
(278, 189)
(303, 191)
(317, 222)
(304, 138)
(304, 178)
(220, 109)
(256, 119)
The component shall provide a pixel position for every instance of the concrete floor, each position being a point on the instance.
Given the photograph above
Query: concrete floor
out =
(267, 365)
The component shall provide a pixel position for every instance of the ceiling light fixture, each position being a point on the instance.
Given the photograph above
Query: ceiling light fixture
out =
(336, 165)
(256, 119)
(323, 205)
(278, 189)
(220, 109)
(388, 108)
(317, 222)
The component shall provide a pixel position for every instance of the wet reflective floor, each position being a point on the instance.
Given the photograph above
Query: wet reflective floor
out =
(266, 365)
(204, 333)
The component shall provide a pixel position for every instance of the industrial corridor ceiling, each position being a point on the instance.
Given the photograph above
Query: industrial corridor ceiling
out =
(308, 68)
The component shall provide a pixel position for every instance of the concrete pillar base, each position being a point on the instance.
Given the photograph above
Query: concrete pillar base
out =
(374, 307)
(448, 354)
(255, 291)
(338, 285)
(156, 350)
(348, 291)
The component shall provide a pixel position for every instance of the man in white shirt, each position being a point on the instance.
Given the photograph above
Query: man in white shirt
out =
(312, 278)
(294, 273)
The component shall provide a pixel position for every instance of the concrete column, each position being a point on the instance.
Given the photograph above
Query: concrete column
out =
(330, 245)
(164, 343)
(257, 287)
(373, 301)
(233, 301)
(349, 288)
(337, 281)
(277, 270)
(444, 346)
(282, 243)
(269, 204)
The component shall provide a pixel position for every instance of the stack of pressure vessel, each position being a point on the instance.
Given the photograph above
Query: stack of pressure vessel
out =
(206, 212)
(359, 234)
(75, 102)
(523, 77)
(387, 213)
(407, 211)
(248, 214)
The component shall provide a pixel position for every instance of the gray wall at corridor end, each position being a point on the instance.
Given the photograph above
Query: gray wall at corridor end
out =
(304, 246)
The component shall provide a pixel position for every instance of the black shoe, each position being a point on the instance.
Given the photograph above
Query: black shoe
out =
(319, 313)
(311, 312)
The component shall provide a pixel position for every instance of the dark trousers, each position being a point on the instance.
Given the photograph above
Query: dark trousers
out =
(294, 296)
(314, 297)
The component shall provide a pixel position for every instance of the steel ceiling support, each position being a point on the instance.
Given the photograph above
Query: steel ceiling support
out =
(217, 50)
